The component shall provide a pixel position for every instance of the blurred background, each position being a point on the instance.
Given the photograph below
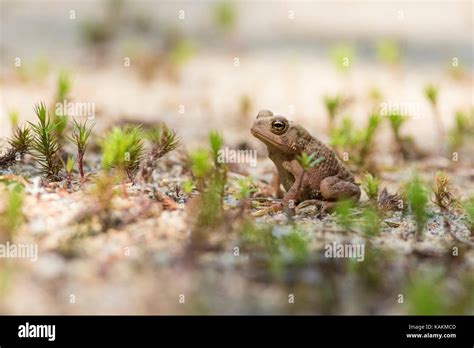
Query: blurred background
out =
(214, 64)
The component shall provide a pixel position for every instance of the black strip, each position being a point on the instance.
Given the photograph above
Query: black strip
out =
(223, 330)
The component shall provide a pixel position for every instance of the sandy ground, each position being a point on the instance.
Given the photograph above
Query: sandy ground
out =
(142, 267)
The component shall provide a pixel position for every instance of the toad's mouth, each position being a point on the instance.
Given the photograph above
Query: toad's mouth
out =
(264, 138)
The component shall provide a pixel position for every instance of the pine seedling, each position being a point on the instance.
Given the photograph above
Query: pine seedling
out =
(396, 121)
(245, 188)
(180, 52)
(388, 52)
(80, 136)
(103, 192)
(45, 143)
(443, 197)
(163, 140)
(370, 221)
(343, 212)
(245, 106)
(431, 93)
(468, 206)
(216, 142)
(294, 247)
(417, 200)
(370, 185)
(225, 16)
(187, 187)
(68, 168)
(463, 126)
(12, 216)
(220, 174)
(332, 104)
(200, 167)
(63, 88)
(20, 145)
(343, 136)
(308, 161)
(360, 141)
(367, 137)
(375, 95)
(13, 117)
(122, 149)
(424, 293)
(342, 56)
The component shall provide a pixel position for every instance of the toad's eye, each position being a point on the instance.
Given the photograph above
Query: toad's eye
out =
(278, 126)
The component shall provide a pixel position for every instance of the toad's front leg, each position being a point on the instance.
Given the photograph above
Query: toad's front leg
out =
(295, 193)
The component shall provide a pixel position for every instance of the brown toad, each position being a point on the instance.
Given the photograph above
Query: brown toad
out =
(326, 182)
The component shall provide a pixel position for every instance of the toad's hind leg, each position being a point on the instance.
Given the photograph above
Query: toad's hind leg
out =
(334, 188)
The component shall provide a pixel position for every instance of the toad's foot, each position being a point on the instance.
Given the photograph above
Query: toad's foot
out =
(323, 206)
(271, 209)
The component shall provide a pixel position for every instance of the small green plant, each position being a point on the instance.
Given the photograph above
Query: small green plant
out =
(308, 161)
(45, 144)
(200, 167)
(68, 168)
(342, 56)
(245, 188)
(215, 141)
(333, 105)
(443, 196)
(187, 187)
(162, 141)
(344, 216)
(463, 128)
(396, 121)
(12, 216)
(20, 144)
(370, 185)
(468, 207)
(367, 137)
(210, 175)
(370, 221)
(343, 136)
(432, 95)
(424, 295)
(103, 194)
(245, 106)
(122, 149)
(295, 247)
(63, 88)
(388, 52)
(405, 145)
(289, 248)
(35, 70)
(180, 52)
(80, 136)
(225, 15)
(417, 200)
(13, 117)
(359, 141)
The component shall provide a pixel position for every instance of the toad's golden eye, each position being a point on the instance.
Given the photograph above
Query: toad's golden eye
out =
(278, 126)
